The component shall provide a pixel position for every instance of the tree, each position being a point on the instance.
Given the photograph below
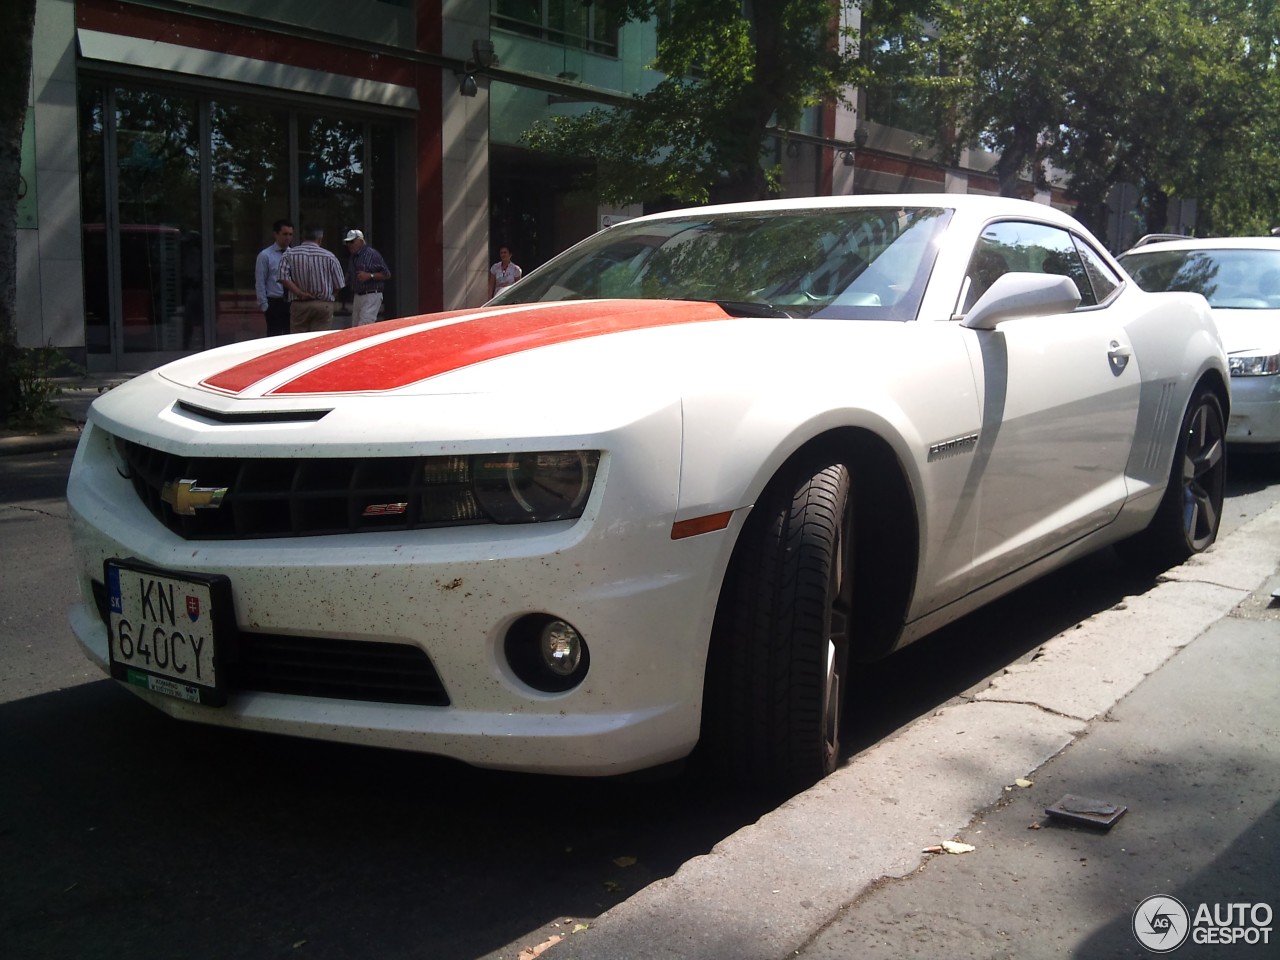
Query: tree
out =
(1189, 85)
(1178, 97)
(733, 70)
(1011, 60)
(17, 21)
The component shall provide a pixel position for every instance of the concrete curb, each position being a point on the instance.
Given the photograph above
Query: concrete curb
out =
(767, 889)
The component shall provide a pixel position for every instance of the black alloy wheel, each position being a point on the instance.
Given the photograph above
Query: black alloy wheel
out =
(1187, 520)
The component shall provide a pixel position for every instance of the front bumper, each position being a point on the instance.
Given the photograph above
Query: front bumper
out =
(643, 602)
(1255, 412)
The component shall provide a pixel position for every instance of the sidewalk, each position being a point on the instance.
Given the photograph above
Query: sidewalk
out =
(1166, 704)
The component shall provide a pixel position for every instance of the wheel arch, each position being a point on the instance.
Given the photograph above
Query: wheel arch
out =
(1214, 380)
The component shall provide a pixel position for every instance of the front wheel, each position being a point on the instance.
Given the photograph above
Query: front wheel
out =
(1187, 519)
(776, 671)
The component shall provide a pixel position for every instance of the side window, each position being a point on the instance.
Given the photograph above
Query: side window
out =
(1015, 246)
(1102, 277)
(990, 261)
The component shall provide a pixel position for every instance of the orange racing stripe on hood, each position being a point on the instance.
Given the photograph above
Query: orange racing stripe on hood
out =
(419, 354)
(244, 375)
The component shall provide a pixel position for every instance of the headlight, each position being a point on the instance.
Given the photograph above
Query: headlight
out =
(1256, 366)
(527, 487)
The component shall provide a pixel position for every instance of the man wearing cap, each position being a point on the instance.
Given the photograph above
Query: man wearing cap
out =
(313, 277)
(367, 272)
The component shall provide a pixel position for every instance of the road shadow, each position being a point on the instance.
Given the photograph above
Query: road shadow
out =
(128, 834)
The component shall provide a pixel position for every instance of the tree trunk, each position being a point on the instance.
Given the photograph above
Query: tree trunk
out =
(17, 21)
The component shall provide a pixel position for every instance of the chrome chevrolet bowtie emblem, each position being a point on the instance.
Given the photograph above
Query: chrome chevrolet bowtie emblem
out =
(186, 498)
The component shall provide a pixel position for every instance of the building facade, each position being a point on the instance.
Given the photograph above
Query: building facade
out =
(165, 138)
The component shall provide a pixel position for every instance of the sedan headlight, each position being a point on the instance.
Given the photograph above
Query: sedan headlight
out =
(1254, 366)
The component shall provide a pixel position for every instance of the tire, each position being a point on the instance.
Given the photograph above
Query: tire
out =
(776, 670)
(1187, 520)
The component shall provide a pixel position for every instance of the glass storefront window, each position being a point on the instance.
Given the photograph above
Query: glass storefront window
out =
(157, 161)
(179, 194)
(331, 179)
(250, 152)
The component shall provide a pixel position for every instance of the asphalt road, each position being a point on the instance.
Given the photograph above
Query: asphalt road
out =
(124, 833)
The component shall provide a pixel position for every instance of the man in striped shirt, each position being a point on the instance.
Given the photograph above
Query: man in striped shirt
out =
(313, 276)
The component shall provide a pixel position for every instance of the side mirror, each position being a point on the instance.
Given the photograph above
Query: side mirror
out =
(1022, 295)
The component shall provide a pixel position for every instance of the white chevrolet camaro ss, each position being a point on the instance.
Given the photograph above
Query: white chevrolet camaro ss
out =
(660, 495)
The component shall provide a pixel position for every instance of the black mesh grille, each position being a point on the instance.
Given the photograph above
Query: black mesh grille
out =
(326, 667)
(344, 669)
(303, 496)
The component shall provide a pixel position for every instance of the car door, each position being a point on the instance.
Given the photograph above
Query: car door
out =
(1059, 400)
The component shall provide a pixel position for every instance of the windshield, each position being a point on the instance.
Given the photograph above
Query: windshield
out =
(853, 263)
(1233, 279)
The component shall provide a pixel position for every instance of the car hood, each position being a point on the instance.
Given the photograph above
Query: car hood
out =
(468, 378)
(434, 353)
(1249, 331)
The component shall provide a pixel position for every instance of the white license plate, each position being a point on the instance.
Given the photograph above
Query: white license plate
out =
(163, 630)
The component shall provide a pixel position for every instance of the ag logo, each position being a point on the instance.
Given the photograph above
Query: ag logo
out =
(1161, 924)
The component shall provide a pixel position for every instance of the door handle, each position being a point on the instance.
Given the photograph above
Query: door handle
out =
(1118, 357)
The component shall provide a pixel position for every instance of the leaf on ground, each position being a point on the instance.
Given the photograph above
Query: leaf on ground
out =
(1024, 782)
(950, 846)
(624, 861)
(612, 886)
(529, 953)
(579, 927)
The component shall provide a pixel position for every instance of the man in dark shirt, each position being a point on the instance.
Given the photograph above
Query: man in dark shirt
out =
(367, 273)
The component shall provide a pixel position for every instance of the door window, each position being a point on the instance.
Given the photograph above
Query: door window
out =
(1022, 247)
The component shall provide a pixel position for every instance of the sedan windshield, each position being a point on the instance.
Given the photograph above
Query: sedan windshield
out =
(1232, 279)
(854, 263)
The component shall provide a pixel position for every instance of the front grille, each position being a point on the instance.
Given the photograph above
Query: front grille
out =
(304, 496)
(325, 667)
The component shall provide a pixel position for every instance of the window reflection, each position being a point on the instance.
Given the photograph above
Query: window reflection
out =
(250, 152)
(160, 278)
(158, 191)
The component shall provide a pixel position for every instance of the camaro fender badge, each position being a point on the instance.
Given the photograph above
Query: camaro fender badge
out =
(953, 447)
(186, 498)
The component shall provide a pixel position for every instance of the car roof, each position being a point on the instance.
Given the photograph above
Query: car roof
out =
(1207, 243)
(967, 204)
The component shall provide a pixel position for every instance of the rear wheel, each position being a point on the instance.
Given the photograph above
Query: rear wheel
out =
(776, 672)
(1189, 514)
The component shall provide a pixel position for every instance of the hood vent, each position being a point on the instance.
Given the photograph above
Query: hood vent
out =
(251, 416)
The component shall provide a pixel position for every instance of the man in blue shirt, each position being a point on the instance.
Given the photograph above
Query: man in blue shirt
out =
(367, 273)
(271, 295)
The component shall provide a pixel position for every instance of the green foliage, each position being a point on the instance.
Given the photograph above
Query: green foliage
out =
(1179, 97)
(32, 374)
(732, 71)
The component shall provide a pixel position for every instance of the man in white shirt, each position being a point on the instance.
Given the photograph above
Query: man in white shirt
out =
(272, 300)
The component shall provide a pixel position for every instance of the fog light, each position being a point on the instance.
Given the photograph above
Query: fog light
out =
(547, 653)
(561, 648)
